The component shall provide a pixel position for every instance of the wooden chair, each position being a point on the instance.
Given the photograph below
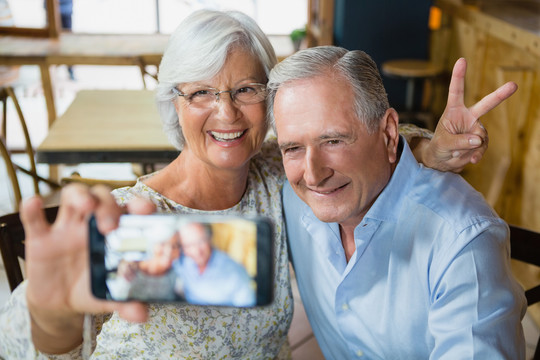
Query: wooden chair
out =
(525, 247)
(8, 77)
(13, 168)
(113, 184)
(54, 197)
(7, 92)
(415, 72)
(12, 244)
(411, 70)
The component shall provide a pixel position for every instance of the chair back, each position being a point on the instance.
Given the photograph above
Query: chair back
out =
(12, 244)
(525, 247)
(6, 92)
(12, 173)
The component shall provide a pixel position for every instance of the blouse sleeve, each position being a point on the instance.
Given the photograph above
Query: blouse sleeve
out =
(410, 131)
(16, 339)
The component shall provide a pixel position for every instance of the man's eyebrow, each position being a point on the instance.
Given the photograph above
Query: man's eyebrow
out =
(334, 135)
(327, 136)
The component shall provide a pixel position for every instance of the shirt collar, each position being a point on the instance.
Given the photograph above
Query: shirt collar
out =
(387, 205)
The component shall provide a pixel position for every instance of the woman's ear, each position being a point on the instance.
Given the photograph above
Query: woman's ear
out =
(391, 133)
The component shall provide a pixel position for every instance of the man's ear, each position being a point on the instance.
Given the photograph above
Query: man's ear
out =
(390, 129)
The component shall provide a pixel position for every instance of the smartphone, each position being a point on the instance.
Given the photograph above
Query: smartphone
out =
(223, 260)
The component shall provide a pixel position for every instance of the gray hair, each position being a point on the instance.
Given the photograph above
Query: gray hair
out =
(197, 50)
(356, 67)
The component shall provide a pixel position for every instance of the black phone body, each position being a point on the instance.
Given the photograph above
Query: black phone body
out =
(223, 260)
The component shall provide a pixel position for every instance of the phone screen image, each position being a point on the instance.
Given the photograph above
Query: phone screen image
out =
(200, 260)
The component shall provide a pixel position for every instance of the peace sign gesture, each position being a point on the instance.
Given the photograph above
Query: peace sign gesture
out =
(459, 137)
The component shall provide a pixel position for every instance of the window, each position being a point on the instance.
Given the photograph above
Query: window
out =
(140, 16)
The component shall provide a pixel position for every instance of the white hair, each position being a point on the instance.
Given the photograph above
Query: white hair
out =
(197, 50)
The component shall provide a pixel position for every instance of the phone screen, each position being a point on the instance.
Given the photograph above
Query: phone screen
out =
(197, 259)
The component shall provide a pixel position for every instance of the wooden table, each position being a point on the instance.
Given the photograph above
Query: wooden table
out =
(80, 49)
(107, 126)
(94, 49)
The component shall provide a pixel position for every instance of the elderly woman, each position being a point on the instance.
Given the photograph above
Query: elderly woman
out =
(211, 96)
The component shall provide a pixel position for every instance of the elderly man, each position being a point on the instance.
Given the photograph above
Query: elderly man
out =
(210, 276)
(393, 260)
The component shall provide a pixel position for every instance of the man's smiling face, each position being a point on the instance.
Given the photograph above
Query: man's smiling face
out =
(331, 160)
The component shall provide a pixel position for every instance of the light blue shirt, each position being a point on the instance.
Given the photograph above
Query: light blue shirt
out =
(223, 282)
(430, 277)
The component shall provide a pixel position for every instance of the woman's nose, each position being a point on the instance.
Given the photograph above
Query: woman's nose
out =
(225, 106)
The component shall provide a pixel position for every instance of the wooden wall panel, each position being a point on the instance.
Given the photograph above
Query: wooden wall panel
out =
(320, 26)
(512, 127)
(509, 173)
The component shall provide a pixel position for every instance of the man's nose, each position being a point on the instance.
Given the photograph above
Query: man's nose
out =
(315, 168)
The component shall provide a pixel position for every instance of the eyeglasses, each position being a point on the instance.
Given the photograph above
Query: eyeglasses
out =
(245, 95)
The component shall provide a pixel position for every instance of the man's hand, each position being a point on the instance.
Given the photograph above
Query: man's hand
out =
(460, 138)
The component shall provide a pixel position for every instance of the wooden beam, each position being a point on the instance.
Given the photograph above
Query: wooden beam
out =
(52, 29)
(21, 31)
(53, 18)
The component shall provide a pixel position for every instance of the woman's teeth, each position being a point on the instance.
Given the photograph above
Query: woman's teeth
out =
(226, 136)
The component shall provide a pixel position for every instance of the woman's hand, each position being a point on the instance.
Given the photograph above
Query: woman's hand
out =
(460, 138)
(57, 265)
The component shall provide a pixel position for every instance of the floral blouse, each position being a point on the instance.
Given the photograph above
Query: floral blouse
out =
(186, 331)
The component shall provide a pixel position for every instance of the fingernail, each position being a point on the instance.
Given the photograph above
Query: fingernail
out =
(475, 141)
(455, 154)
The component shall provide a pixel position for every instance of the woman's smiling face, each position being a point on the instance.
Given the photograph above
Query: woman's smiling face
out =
(225, 134)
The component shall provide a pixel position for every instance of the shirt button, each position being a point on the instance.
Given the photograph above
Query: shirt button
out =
(345, 307)
(359, 353)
